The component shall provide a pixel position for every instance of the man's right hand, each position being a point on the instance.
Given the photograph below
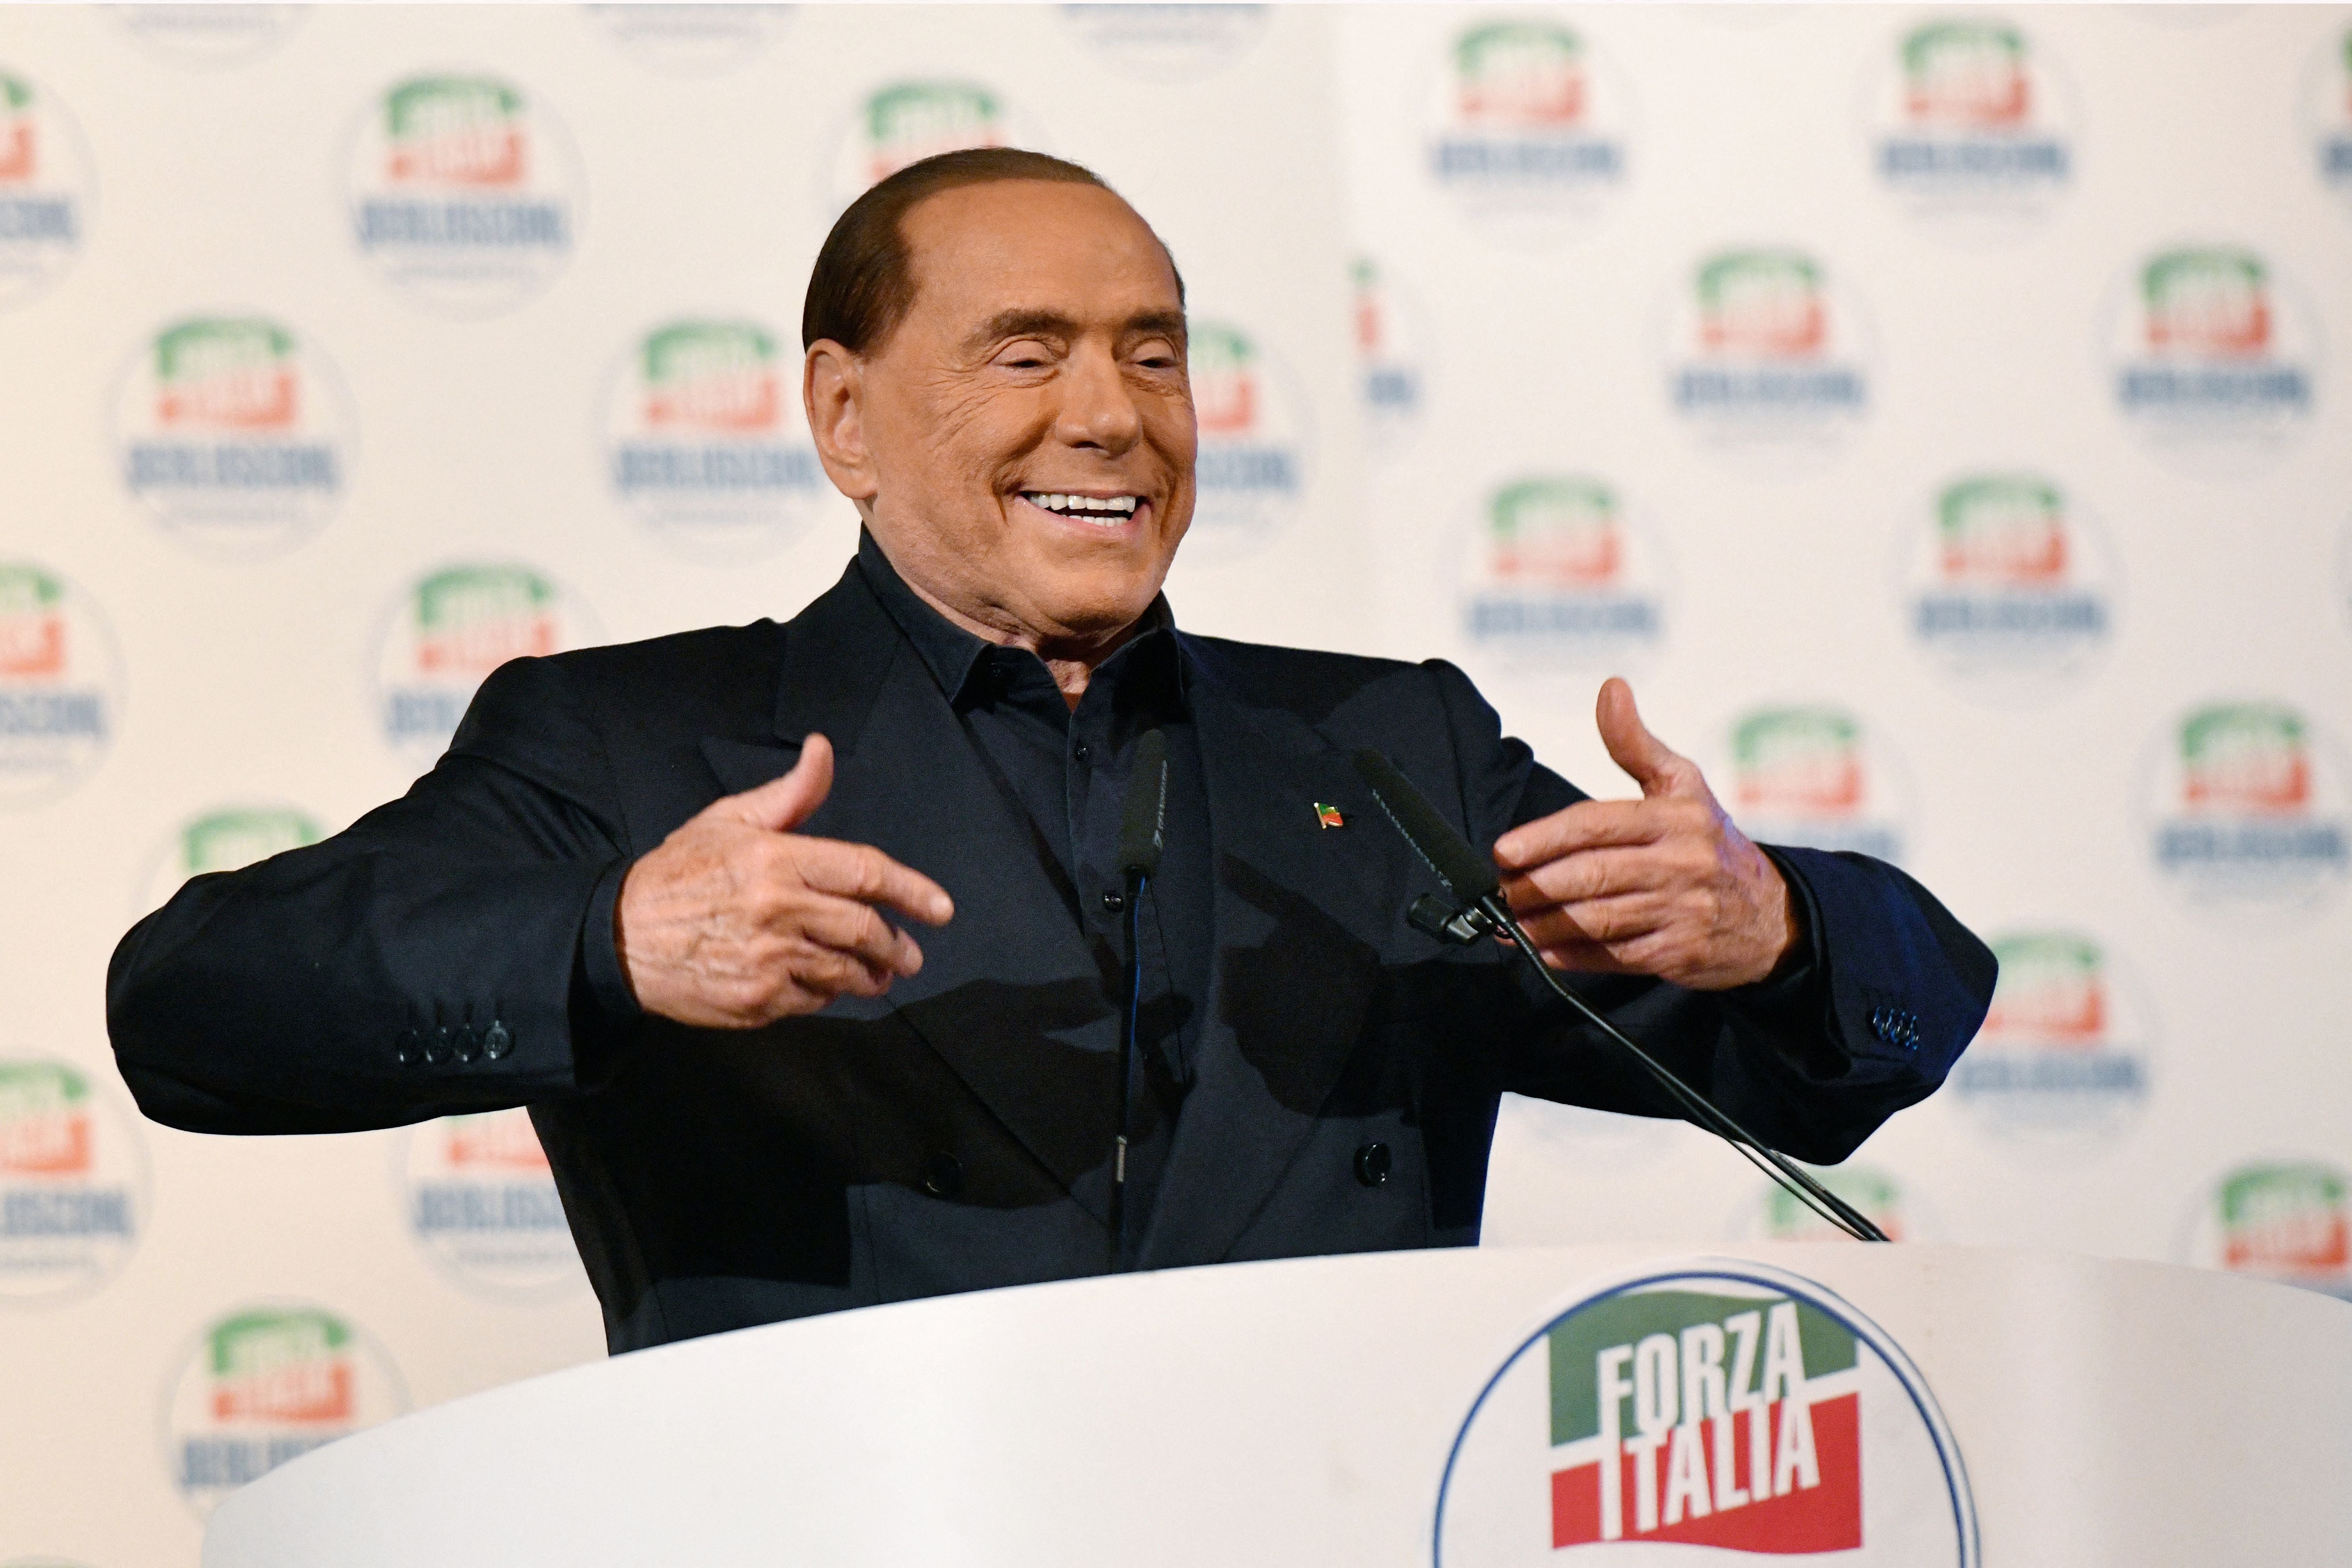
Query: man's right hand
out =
(736, 920)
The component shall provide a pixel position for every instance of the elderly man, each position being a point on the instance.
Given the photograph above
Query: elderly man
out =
(803, 942)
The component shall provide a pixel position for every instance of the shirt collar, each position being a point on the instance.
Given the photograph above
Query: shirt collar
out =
(957, 658)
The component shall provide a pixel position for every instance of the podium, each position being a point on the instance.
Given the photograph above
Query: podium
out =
(1829, 1402)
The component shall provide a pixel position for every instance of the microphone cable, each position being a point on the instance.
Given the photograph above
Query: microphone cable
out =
(1142, 836)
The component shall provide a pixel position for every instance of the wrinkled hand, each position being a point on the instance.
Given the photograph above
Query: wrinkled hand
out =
(735, 920)
(1665, 884)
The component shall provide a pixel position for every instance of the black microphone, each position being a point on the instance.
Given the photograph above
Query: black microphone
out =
(1473, 880)
(1142, 836)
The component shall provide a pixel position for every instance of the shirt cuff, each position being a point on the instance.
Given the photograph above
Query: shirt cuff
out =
(1796, 992)
(600, 953)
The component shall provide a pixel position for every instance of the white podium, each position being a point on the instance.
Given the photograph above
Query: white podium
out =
(1830, 1402)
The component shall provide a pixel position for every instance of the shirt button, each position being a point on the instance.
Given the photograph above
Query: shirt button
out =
(1372, 1164)
(943, 1175)
(1085, 752)
(1115, 903)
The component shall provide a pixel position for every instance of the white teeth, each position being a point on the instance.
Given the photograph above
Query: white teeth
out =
(1067, 505)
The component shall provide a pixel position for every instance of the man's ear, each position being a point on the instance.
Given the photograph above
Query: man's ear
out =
(833, 391)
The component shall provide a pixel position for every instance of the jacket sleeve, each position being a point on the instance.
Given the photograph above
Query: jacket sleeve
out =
(1886, 990)
(451, 951)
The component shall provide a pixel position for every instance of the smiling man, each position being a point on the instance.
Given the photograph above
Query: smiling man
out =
(802, 943)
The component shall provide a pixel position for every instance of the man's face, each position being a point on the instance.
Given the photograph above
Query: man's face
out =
(1028, 427)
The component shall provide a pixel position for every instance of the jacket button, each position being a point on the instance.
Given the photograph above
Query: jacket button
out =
(408, 1048)
(467, 1043)
(440, 1045)
(497, 1040)
(1372, 1164)
(943, 1175)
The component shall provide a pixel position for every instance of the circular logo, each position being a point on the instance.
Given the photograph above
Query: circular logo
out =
(1706, 1413)
(2064, 1055)
(465, 192)
(73, 1182)
(59, 685)
(2287, 1220)
(224, 839)
(2215, 360)
(1167, 42)
(1560, 577)
(905, 122)
(234, 433)
(482, 1203)
(1767, 358)
(1970, 128)
(1393, 339)
(267, 1383)
(2247, 809)
(44, 188)
(706, 442)
(1527, 132)
(689, 40)
(1251, 474)
(2327, 113)
(2009, 584)
(449, 630)
(1775, 1214)
(222, 34)
(1814, 776)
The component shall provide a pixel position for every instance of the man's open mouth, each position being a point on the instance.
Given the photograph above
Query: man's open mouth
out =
(1108, 511)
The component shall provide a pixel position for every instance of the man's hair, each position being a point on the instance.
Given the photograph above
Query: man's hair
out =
(864, 281)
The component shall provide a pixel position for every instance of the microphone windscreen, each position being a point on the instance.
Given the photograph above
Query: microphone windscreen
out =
(1143, 821)
(1467, 875)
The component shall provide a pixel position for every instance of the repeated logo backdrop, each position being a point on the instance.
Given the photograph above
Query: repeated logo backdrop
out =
(1933, 411)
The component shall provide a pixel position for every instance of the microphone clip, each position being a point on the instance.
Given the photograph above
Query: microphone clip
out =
(1431, 916)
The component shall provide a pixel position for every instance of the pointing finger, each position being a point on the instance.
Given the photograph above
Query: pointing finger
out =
(1646, 760)
(862, 872)
(1587, 824)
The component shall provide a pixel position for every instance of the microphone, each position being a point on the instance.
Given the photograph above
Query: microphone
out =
(1142, 836)
(1476, 887)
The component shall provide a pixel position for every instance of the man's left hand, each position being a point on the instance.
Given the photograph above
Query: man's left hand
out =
(1665, 884)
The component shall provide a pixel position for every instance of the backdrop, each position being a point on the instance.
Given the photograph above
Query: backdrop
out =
(1933, 414)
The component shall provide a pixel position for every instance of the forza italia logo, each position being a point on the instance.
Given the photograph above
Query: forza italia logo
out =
(1728, 1411)
(2010, 588)
(44, 186)
(1971, 128)
(2286, 1219)
(905, 121)
(2248, 808)
(2064, 1053)
(450, 629)
(1251, 468)
(481, 1201)
(1811, 776)
(1766, 355)
(59, 684)
(2215, 358)
(73, 1181)
(1527, 131)
(1561, 577)
(226, 838)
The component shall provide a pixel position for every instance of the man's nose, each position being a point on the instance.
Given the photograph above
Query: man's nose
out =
(1098, 409)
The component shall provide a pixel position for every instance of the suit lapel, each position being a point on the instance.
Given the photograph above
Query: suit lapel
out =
(1300, 913)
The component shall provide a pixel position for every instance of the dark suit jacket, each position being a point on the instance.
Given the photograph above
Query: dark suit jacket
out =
(453, 950)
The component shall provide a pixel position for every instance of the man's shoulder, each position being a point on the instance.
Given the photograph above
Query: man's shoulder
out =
(1332, 691)
(710, 681)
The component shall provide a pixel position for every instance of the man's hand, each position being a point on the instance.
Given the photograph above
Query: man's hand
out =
(1665, 884)
(735, 920)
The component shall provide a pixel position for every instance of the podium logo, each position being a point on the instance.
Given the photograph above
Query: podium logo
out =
(266, 1384)
(2011, 587)
(2064, 1052)
(1809, 776)
(1728, 1410)
(691, 39)
(1392, 351)
(482, 1203)
(58, 684)
(464, 194)
(226, 839)
(73, 1182)
(2214, 360)
(1763, 353)
(1969, 127)
(2247, 809)
(233, 433)
(44, 189)
(1560, 577)
(450, 630)
(1527, 133)
(2284, 1220)
(1167, 42)
(1251, 470)
(2327, 113)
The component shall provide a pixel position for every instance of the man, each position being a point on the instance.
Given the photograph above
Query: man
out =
(802, 943)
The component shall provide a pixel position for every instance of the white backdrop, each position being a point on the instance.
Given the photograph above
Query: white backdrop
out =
(1933, 414)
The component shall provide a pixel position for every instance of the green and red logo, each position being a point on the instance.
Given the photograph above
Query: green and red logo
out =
(1727, 1410)
(1965, 74)
(464, 190)
(2247, 805)
(705, 440)
(1528, 129)
(1518, 76)
(2210, 302)
(2214, 355)
(1970, 128)
(1251, 465)
(1561, 577)
(903, 122)
(1811, 776)
(2288, 1220)
(2327, 111)
(1391, 355)
(73, 1181)
(59, 684)
(228, 838)
(1781, 1215)
(453, 627)
(234, 433)
(2010, 586)
(2065, 1051)
(1763, 303)
(268, 1384)
(481, 1201)
(1763, 349)
(44, 189)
